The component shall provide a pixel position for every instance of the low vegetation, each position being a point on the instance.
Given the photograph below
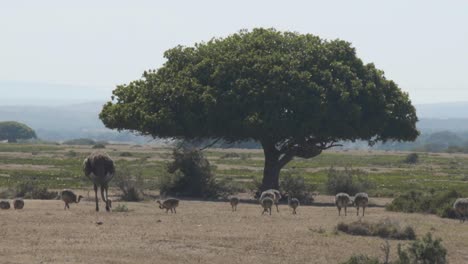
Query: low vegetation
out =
(422, 251)
(30, 190)
(190, 175)
(296, 186)
(384, 229)
(350, 181)
(439, 203)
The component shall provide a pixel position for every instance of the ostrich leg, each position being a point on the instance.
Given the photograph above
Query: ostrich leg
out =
(95, 194)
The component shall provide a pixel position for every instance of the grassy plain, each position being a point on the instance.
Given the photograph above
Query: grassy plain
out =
(59, 166)
(201, 232)
(208, 232)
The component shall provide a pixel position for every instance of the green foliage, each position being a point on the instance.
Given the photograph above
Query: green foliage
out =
(384, 229)
(361, 259)
(121, 208)
(350, 181)
(425, 251)
(439, 203)
(296, 187)
(190, 175)
(71, 154)
(412, 158)
(80, 141)
(12, 131)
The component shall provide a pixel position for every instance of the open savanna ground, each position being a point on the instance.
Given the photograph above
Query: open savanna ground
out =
(201, 232)
(60, 166)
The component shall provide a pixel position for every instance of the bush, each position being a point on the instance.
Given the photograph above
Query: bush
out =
(412, 158)
(361, 259)
(99, 146)
(125, 154)
(297, 187)
(190, 175)
(384, 229)
(121, 208)
(130, 184)
(427, 251)
(29, 190)
(348, 181)
(232, 155)
(440, 203)
(71, 154)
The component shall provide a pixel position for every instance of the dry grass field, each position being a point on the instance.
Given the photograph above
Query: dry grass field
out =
(200, 232)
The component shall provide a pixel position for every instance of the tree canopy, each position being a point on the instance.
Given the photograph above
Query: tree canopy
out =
(296, 94)
(12, 131)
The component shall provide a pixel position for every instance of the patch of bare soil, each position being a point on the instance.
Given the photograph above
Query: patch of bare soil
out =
(200, 232)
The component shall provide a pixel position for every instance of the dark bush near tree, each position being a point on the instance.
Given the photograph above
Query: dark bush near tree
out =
(412, 158)
(349, 181)
(296, 187)
(439, 203)
(190, 175)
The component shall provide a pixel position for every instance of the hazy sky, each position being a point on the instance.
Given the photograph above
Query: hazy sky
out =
(94, 45)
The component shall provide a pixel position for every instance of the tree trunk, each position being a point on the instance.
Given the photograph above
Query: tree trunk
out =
(271, 169)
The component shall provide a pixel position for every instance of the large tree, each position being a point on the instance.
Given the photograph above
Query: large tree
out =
(12, 131)
(294, 93)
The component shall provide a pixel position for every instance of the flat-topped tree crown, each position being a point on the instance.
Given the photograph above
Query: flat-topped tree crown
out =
(294, 93)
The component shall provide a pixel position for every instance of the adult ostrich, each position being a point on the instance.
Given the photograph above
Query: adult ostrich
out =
(99, 168)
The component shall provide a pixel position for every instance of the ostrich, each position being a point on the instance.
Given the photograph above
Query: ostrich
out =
(99, 168)
(69, 197)
(18, 204)
(234, 202)
(169, 204)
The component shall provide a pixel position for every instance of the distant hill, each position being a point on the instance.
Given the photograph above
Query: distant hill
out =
(81, 120)
(65, 122)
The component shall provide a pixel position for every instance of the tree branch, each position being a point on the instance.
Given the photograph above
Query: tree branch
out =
(210, 145)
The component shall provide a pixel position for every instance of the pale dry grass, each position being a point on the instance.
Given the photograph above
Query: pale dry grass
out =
(200, 232)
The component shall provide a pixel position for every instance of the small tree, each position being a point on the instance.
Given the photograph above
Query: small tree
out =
(190, 175)
(12, 131)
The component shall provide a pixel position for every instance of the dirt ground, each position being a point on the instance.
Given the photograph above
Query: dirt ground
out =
(200, 232)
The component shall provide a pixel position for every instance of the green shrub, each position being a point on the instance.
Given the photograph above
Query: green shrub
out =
(348, 181)
(125, 154)
(297, 187)
(232, 155)
(71, 154)
(99, 146)
(412, 158)
(190, 175)
(425, 251)
(439, 203)
(361, 259)
(121, 208)
(384, 229)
